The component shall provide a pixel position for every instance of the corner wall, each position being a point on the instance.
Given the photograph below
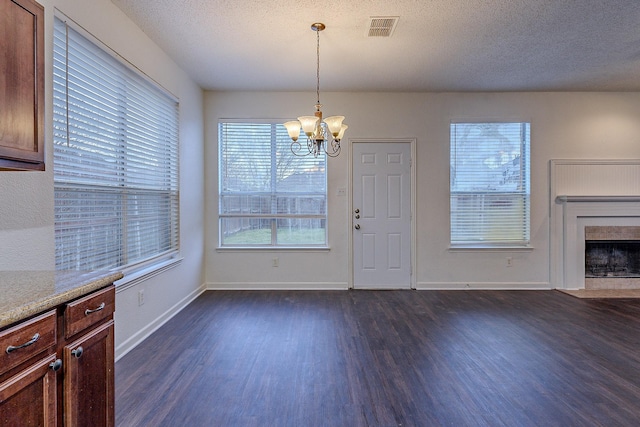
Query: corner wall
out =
(26, 211)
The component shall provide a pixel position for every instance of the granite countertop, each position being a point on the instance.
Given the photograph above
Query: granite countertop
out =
(26, 293)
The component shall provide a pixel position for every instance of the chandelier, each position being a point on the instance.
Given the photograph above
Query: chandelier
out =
(322, 135)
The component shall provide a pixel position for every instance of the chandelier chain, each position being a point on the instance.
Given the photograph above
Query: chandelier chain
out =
(318, 65)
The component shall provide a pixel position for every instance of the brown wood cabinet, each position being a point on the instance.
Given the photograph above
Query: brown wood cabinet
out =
(21, 85)
(88, 380)
(29, 398)
(88, 360)
(27, 373)
(56, 369)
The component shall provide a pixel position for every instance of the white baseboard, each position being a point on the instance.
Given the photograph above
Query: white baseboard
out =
(503, 286)
(338, 286)
(143, 333)
(278, 286)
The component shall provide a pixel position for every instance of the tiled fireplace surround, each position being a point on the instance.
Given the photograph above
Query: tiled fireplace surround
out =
(590, 198)
(582, 213)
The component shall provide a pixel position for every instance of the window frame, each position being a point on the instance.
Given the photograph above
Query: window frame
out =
(525, 193)
(278, 134)
(141, 189)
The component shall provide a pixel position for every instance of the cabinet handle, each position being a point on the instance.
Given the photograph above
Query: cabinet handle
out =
(88, 312)
(77, 352)
(56, 365)
(35, 338)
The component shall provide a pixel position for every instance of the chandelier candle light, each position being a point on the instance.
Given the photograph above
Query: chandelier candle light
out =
(322, 135)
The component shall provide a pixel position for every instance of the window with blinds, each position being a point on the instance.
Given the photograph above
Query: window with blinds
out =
(489, 184)
(115, 159)
(269, 197)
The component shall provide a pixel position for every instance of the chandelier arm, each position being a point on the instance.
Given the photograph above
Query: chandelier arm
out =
(296, 148)
(335, 149)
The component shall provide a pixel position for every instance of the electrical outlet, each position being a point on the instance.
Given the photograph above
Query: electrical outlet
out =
(141, 297)
(509, 261)
(276, 262)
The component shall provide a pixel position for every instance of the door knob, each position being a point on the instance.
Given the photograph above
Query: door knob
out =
(357, 226)
(56, 365)
(77, 352)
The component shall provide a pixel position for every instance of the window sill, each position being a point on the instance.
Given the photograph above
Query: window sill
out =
(490, 248)
(272, 248)
(135, 277)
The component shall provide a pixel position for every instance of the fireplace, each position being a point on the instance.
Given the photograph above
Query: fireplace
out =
(586, 193)
(608, 225)
(612, 257)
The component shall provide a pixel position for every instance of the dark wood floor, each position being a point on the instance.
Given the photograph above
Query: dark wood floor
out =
(387, 358)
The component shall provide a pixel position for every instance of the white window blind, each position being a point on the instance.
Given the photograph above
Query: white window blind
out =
(490, 188)
(268, 196)
(115, 159)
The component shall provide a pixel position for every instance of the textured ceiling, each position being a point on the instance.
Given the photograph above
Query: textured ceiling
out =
(438, 45)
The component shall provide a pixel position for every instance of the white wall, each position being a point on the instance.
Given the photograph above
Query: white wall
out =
(563, 126)
(26, 210)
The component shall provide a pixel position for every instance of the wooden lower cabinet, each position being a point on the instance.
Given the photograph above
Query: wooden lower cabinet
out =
(57, 369)
(29, 397)
(88, 379)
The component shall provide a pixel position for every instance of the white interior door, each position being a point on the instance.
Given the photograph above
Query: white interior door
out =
(381, 215)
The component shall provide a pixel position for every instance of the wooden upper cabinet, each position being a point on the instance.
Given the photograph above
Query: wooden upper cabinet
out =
(21, 85)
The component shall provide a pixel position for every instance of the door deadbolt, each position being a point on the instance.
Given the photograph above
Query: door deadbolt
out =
(357, 226)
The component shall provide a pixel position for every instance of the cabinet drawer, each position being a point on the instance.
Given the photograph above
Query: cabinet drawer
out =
(95, 307)
(25, 340)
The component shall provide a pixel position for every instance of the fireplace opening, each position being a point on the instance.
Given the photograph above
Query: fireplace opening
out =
(612, 258)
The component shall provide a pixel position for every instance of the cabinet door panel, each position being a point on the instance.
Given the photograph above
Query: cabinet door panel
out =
(21, 84)
(29, 398)
(88, 379)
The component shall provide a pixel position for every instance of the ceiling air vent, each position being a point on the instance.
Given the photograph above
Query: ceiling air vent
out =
(382, 26)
